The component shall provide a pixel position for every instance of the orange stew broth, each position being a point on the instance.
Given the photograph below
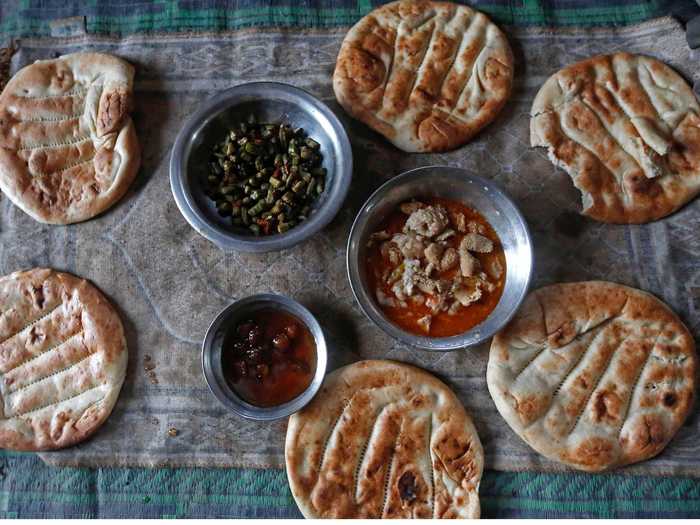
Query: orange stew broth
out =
(443, 324)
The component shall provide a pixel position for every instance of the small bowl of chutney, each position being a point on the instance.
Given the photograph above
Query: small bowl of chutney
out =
(264, 357)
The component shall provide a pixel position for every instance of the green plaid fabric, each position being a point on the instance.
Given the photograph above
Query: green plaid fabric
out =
(30, 489)
(33, 17)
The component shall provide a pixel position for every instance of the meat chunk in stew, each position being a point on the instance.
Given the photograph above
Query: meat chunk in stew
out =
(429, 221)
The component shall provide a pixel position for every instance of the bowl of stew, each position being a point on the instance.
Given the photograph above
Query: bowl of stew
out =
(264, 357)
(439, 258)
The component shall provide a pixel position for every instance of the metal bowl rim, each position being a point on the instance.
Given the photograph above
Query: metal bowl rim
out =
(434, 344)
(272, 413)
(227, 240)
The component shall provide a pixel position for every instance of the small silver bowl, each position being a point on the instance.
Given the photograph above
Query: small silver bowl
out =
(456, 184)
(269, 102)
(214, 340)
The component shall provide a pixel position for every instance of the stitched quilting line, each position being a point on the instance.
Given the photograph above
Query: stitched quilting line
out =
(600, 327)
(70, 166)
(31, 323)
(675, 360)
(537, 354)
(53, 403)
(363, 452)
(432, 468)
(358, 468)
(51, 349)
(74, 93)
(50, 119)
(389, 473)
(55, 144)
(52, 374)
(346, 404)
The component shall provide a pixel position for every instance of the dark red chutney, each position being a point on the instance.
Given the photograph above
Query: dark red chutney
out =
(269, 358)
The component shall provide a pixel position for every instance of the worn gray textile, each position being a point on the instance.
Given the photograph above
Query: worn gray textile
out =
(168, 282)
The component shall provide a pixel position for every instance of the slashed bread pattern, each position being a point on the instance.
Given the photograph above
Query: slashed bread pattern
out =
(384, 439)
(426, 75)
(626, 128)
(593, 374)
(68, 147)
(62, 359)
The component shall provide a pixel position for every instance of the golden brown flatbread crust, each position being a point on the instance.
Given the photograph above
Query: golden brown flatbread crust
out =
(626, 128)
(384, 439)
(68, 148)
(426, 75)
(62, 360)
(595, 375)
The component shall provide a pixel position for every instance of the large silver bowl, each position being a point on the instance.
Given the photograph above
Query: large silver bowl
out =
(214, 341)
(269, 102)
(456, 184)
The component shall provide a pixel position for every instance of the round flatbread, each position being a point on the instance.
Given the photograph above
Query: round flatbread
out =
(593, 374)
(626, 128)
(384, 439)
(426, 75)
(68, 148)
(62, 359)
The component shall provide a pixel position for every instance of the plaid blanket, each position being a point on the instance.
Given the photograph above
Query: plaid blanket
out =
(35, 17)
(30, 489)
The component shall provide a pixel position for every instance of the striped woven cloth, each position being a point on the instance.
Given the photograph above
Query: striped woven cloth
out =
(29, 489)
(34, 17)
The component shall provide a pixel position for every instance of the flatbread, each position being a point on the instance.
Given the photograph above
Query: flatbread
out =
(62, 359)
(593, 374)
(426, 75)
(68, 148)
(626, 128)
(384, 439)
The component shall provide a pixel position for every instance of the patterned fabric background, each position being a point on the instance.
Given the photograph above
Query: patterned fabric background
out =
(28, 488)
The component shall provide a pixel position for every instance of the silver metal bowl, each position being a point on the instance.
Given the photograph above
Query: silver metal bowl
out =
(214, 340)
(269, 102)
(457, 184)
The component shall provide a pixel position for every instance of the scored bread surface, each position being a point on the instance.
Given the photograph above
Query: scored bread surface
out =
(426, 75)
(62, 359)
(593, 374)
(384, 439)
(626, 128)
(68, 148)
